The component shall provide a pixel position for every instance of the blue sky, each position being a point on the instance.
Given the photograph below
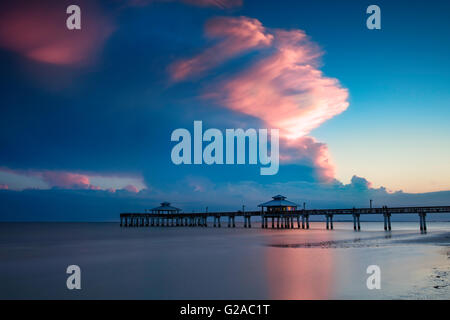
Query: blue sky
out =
(91, 113)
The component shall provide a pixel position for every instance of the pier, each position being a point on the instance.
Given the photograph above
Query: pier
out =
(275, 219)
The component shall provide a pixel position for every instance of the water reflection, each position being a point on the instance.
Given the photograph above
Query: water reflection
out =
(304, 273)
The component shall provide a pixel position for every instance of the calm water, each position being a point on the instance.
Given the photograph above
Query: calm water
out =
(212, 263)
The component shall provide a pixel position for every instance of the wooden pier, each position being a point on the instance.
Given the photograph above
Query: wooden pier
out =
(274, 220)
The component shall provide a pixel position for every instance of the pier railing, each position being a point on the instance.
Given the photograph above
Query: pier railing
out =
(275, 219)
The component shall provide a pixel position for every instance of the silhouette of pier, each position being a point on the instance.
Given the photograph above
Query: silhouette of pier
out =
(274, 219)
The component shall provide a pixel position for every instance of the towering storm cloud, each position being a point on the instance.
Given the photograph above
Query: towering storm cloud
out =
(285, 88)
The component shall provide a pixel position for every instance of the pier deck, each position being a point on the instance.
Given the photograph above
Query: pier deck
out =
(279, 220)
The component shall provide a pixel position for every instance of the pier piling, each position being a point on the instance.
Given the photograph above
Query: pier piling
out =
(423, 223)
(356, 222)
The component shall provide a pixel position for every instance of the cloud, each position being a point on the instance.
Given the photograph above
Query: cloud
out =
(222, 4)
(38, 31)
(216, 3)
(72, 180)
(131, 188)
(66, 180)
(309, 152)
(4, 187)
(101, 205)
(237, 35)
(285, 89)
(360, 183)
(58, 179)
(198, 184)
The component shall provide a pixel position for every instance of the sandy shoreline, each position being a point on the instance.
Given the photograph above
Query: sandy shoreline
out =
(438, 284)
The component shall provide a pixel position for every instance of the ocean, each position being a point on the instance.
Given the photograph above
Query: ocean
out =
(224, 263)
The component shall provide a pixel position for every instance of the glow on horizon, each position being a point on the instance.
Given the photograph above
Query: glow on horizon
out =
(413, 160)
(396, 172)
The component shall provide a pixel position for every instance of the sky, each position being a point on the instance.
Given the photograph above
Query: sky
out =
(87, 115)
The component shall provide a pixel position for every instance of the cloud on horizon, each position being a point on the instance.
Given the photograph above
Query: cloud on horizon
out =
(102, 205)
(44, 179)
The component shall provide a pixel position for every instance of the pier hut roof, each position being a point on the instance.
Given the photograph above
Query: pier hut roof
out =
(165, 206)
(278, 201)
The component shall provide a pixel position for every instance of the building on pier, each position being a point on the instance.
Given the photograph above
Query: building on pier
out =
(278, 204)
(165, 207)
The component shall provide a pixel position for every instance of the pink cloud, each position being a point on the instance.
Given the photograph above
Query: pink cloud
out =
(237, 35)
(59, 179)
(38, 32)
(37, 29)
(198, 184)
(215, 3)
(110, 181)
(131, 188)
(286, 90)
(4, 187)
(222, 4)
(66, 180)
(308, 151)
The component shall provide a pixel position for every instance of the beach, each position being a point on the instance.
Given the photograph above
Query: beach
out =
(223, 263)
